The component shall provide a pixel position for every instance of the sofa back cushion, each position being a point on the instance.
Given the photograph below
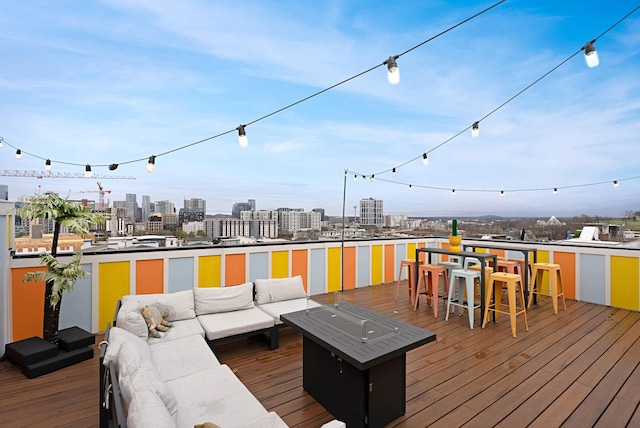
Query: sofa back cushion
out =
(223, 299)
(179, 304)
(119, 336)
(279, 289)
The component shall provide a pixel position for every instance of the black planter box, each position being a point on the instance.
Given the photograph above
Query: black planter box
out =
(29, 351)
(73, 338)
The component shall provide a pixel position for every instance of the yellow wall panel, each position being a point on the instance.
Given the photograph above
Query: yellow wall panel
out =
(624, 282)
(376, 264)
(209, 271)
(114, 281)
(280, 264)
(411, 251)
(334, 273)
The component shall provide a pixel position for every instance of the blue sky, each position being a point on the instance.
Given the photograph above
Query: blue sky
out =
(113, 81)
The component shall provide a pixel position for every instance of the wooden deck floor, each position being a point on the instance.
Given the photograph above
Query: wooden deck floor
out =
(578, 368)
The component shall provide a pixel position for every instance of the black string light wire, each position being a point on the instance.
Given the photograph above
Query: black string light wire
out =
(241, 128)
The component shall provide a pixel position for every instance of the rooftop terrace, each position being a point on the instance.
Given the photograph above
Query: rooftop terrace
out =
(578, 368)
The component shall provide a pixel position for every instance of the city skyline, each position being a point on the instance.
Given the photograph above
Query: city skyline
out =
(111, 82)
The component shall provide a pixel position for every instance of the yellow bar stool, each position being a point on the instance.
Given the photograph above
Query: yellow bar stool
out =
(411, 272)
(496, 281)
(429, 277)
(555, 283)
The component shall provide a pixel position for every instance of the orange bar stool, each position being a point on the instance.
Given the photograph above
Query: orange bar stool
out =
(411, 273)
(429, 276)
(508, 266)
(511, 280)
(555, 283)
(466, 279)
(521, 270)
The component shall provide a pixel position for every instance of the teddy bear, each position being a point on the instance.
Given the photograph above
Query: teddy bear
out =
(155, 321)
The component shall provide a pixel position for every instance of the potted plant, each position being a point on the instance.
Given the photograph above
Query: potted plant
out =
(58, 276)
(454, 239)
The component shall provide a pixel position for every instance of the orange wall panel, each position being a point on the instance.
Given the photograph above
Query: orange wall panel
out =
(299, 265)
(235, 267)
(27, 304)
(149, 276)
(567, 262)
(349, 268)
(389, 263)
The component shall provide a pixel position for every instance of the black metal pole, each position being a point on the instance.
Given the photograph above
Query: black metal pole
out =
(344, 198)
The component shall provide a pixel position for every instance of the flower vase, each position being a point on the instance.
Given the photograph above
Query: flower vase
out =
(454, 243)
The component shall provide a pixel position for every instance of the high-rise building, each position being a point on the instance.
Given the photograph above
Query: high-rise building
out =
(194, 210)
(238, 207)
(321, 211)
(195, 203)
(371, 213)
(146, 208)
(164, 207)
(292, 220)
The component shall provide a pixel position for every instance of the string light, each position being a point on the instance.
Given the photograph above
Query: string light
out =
(475, 131)
(502, 193)
(18, 154)
(409, 186)
(355, 177)
(453, 192)
(87, 171)
(393, 172)
(555, 190)
(615, 183)
(1, 140)
(425, 159)
(47, 165)
(393, 73)
(151, 165)
(372, 178)
(242, 136)
(590, 54)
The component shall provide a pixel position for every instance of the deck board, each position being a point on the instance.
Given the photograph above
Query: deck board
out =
(577, 368)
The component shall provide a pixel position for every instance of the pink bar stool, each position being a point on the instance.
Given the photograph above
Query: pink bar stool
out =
(411, 273)
(429, 277)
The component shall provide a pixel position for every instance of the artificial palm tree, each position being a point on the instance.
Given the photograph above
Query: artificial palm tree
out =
(58, 276)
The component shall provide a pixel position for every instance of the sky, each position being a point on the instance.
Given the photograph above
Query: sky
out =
(117, 81)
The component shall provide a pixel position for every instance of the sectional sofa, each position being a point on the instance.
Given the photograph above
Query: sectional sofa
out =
(176, 380)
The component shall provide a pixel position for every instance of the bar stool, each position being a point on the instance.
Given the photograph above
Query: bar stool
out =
(521, 269)
(411, 266)
(454, 262)
(429, 276)
(555, 283)
(495, 289)
(469, 276)
(508, 266)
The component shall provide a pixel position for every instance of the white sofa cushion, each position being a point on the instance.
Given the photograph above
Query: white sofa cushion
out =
(278, 289)
(224, 324)
(147, 410)
(182, 328)
(212, 300)
(136, 374)
(215, 395)
(275, 309)
(117, 337)
(182, 357)
(179, 304)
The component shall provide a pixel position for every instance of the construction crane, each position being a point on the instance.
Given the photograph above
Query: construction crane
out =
(101, 193)
(49, 174)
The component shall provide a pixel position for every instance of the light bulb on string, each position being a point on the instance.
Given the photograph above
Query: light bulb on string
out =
(372, 178)
(615, 183)
(475, 129)
(555, 190)
(393, 72)
(18, 154)
(242, 136)
(425, 159)
(393, 171)
(355, 177)
(151, 165)
(453, 192)
(87, 171)
(502, 193)
(1, 140)
(47, 165)
(591, 55)
(409, 186)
